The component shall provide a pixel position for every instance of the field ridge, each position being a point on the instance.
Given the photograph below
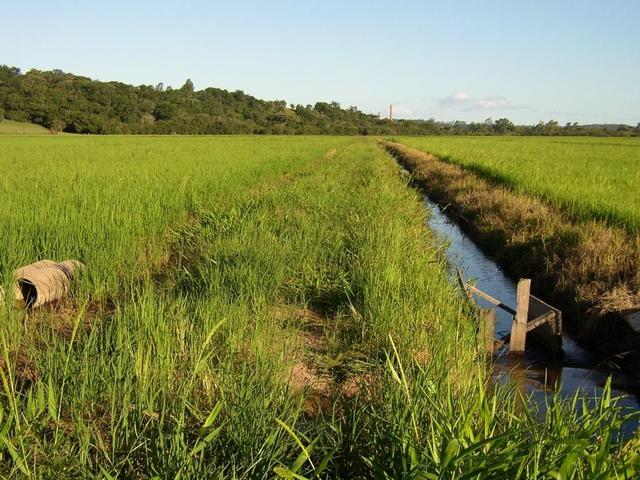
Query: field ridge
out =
(588, 178)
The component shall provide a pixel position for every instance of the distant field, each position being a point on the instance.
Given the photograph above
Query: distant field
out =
(588, 177)
(9, 127)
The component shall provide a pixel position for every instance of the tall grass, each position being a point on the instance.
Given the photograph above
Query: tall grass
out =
(590, 178)
(218, 269)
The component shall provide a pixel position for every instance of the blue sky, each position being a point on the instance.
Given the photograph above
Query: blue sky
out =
(468, 60)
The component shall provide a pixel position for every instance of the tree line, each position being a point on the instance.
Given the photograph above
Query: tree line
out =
(64, 102)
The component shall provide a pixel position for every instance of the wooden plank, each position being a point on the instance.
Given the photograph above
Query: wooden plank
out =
(633, 320)
(491, 299)
(502, 341)
(548, 317)
(486, 329)
(519, 324)
(547, 333)
(538, 307)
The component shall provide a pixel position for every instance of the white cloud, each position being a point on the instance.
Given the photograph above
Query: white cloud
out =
(403, 111)
(459, 97)
(468, 103)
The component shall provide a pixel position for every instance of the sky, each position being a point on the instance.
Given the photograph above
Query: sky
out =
(530, 61)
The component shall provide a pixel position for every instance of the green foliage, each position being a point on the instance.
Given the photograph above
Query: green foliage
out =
(65, 102)
(504, 126)
(165, 111)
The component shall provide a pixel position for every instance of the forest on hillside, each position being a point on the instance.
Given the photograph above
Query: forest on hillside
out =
(64, 102)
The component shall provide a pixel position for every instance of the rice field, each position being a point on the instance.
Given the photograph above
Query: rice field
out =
(254, 307)
(590, 178)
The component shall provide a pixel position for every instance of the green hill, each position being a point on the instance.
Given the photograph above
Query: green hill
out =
(63, 102)
(10, 127)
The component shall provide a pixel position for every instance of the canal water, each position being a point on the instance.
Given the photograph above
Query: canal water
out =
(536, 373)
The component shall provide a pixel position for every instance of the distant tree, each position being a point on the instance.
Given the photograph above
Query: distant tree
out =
(165, 111)
(57, 125)
(431, 127)
(7, 73)
(459, 127)
(73, 103)
(187, 87)
(147, 119)
(503, 125)
(551, 128)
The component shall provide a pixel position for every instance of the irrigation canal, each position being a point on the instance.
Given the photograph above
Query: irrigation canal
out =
(535, 373)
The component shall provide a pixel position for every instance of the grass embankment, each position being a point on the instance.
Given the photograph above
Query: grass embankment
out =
(587, 266)
(587, 178)
(253, 307)
(10, 127)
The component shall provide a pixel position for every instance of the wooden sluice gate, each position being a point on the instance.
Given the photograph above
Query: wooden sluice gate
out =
(532, 317)
(632, 320)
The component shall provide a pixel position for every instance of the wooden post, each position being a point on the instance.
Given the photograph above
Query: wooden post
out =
(519, 324)
(486, 329)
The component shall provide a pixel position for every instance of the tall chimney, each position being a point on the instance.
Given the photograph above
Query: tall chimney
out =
(391, 112)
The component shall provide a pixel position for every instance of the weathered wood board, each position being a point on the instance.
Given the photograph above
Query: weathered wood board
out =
(548, 333)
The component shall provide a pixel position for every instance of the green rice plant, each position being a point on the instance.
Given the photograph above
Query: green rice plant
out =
(589, 178)
(252, 307)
